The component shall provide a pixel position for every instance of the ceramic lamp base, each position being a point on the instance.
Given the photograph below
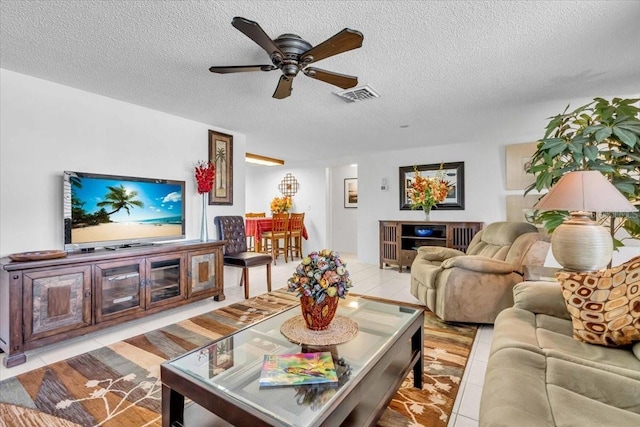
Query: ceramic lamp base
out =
(580, 244)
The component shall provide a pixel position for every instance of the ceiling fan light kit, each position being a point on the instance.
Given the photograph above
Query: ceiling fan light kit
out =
(291, 54)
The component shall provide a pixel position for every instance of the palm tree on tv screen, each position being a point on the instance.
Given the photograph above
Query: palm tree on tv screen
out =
(119, 198)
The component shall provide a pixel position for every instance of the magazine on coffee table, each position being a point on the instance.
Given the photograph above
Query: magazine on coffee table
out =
(297, 369)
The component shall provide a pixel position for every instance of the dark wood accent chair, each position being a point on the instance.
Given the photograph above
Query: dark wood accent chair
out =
(231, 229)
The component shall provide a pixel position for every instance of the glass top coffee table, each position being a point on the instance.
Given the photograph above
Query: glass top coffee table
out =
(223, 376)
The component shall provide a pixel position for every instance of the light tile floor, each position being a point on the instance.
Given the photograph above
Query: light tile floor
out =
(367, 280)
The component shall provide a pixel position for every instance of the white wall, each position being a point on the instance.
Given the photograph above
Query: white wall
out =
(342, 222)
(485, 194)
(262, 186)
(46, 128)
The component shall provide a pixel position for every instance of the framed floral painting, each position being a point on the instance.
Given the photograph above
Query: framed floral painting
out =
(221, 155)
(453, 173)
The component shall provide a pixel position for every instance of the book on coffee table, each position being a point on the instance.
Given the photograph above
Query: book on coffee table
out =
(297, 369)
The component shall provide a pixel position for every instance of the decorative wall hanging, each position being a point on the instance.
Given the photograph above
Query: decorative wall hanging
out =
(351, 192)
(518, 160)
(221, 155)
(454, 174)
(289, 185)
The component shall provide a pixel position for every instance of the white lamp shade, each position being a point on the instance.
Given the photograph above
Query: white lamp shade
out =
(586, 191)
(580, 244)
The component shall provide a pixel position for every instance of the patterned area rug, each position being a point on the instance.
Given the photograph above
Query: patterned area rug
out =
(119, 385)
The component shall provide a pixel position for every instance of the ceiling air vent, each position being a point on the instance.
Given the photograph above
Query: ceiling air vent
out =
(361, 93)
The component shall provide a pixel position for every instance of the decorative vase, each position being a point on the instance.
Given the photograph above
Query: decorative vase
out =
(427, 211)
(204, 235)
(318, 317)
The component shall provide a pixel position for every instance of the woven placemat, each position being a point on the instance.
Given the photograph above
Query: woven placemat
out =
(340, 330)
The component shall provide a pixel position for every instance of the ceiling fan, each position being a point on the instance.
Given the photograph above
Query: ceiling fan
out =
(291, 54)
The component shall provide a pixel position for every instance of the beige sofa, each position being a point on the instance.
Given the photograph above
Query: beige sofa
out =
(538, 375)
(476, 286)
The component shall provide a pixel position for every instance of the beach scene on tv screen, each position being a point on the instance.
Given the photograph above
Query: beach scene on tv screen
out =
(106, 210)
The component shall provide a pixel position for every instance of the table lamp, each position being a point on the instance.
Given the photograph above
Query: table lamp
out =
(579, 243)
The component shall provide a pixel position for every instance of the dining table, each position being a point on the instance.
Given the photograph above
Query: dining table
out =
(254, 227)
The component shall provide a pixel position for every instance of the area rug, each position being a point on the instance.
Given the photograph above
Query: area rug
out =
(118, 385)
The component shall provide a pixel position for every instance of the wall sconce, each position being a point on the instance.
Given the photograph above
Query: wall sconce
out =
(262, 160)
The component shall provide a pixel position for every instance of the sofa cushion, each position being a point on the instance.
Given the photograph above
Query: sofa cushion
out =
(437, 253)
(505, 233)
(524, 388)
(604, 305)
(538, 375)
(541, 298)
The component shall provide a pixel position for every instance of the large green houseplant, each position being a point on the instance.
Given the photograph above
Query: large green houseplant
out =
(601, 135)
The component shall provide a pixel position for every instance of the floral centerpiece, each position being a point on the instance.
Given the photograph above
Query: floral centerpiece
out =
(320, 280)
(205, 173)
(426, 192)
(281, 204)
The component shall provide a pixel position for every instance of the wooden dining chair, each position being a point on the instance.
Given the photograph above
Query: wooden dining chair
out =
(279, 231)
(250, 243)
(296, 225)
(231, 229)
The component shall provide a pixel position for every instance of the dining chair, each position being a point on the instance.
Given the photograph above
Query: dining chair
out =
(250, 242)
(279, 231)
(294, 244)
(231, 229)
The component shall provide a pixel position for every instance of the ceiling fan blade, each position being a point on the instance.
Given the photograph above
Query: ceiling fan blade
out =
(344, 41)
(341, 80)
(241, 68)
(255, 32)
(284, 88)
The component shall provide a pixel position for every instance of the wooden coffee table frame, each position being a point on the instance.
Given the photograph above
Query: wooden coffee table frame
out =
(363, 400)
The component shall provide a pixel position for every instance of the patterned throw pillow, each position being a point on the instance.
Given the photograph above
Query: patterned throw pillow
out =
(604, 305)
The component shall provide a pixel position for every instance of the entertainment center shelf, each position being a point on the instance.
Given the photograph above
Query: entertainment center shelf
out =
(400, 240)
(47, 301)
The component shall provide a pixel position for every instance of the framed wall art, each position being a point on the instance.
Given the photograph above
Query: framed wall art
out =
(518, 158)
(453, 173)
(221, 155)
(351, 192)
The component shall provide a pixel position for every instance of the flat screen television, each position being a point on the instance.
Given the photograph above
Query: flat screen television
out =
(110, 211)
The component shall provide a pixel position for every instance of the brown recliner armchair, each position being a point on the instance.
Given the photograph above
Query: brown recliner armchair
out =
(477, 285)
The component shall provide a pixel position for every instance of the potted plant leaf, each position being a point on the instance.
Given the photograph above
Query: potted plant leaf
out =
(601, 135)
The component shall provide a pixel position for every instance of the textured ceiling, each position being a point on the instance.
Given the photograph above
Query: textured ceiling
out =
(453, 71)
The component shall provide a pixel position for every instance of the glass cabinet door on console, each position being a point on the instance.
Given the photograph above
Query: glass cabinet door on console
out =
(56, 301)
(165, 282)
(119, 288)
(202, 273)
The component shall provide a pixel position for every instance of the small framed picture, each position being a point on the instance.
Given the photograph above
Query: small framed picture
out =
(351, 192)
